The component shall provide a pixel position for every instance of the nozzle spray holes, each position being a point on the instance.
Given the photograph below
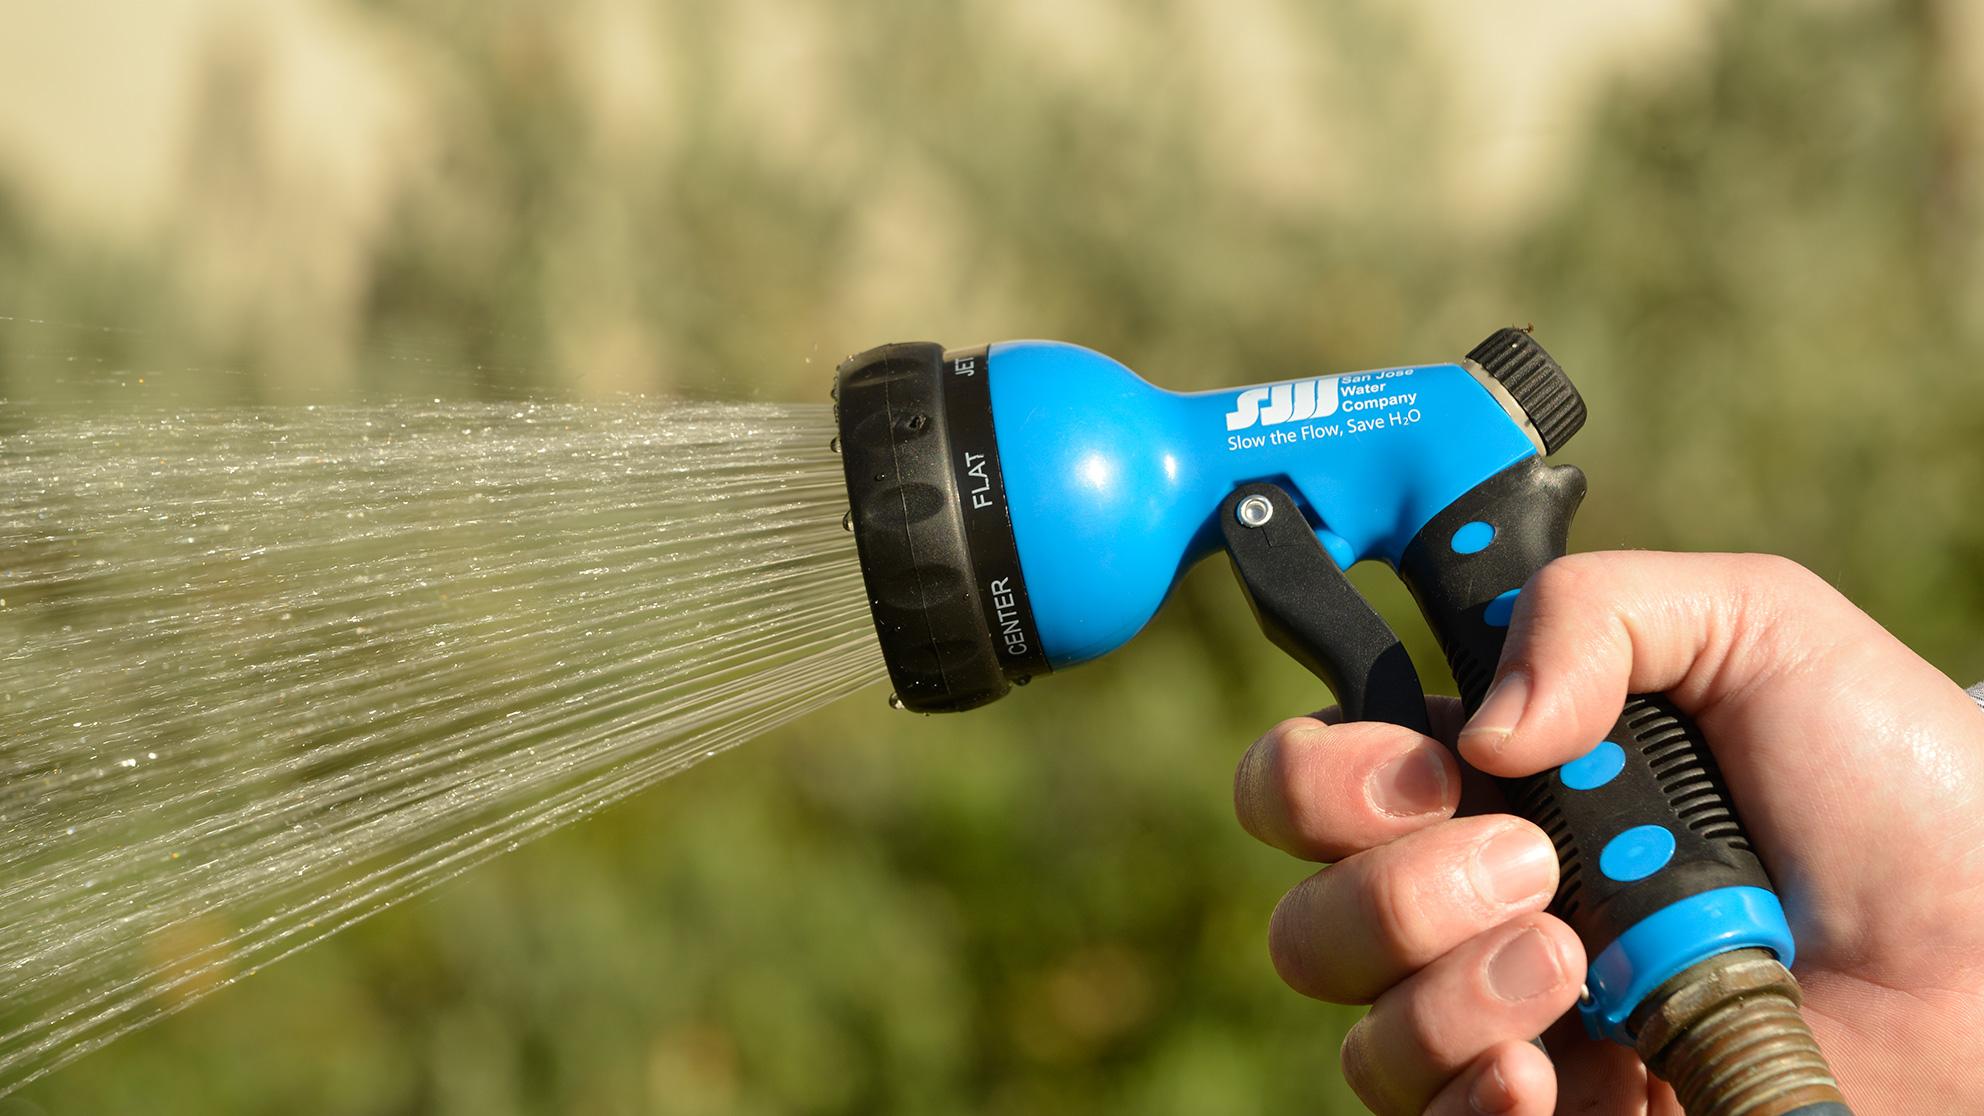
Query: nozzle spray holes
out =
(1254, 511)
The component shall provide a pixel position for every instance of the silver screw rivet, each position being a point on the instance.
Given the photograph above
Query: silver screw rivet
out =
(1254, 511)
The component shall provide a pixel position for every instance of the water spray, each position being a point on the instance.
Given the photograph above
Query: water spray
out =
(269, 671)
(1023, 507)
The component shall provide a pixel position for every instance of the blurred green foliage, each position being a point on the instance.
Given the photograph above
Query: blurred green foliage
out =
(1761, 260)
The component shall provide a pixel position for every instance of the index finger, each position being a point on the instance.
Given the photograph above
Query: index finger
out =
(1323, 790)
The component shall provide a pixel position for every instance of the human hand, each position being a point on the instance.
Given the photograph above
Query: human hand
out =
(1858, 770)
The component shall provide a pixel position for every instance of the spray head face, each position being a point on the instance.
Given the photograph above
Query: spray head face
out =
(1026, 506)
(937, 554)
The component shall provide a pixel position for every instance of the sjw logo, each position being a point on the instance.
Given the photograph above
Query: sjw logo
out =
(1279, 403)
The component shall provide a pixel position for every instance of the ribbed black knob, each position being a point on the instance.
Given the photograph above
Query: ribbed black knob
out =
(1537, 382)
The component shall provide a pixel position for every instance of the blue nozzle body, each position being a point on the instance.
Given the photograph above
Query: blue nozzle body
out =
(1112, 483)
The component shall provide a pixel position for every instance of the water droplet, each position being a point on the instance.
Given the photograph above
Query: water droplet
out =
(847, 521)
(896, 703)
(1022, 679)
(834, 444)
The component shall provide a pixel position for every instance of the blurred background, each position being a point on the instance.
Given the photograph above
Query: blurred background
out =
(1754, 233)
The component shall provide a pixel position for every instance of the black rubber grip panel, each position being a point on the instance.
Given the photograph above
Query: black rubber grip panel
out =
(1669, 779)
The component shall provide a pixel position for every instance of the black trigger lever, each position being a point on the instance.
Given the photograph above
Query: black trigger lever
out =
(1308, 608)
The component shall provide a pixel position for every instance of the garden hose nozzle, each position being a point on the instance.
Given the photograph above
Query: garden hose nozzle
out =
(1023, 507)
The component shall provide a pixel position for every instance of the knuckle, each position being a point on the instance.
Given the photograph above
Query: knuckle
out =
(1292, 774)
(1420, 1031)
(1774, 567)
(1287, 932)
(1360, 1066)
(1780, 576)
(1267, 784)
(1298, 945)
(1571, 577)
(1286, 761)
(1255, 763)
(1779, 613)
(1292, 730)
(1395, 905)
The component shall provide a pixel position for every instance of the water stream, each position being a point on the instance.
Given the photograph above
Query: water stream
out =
(266, 672)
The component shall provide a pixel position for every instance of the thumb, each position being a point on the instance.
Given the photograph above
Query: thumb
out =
(1589, 629)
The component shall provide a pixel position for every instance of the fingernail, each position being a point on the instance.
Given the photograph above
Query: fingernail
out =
(1491, 1095)
(1499, 712)
(1514, 865)
(1413, 784)
(1525, 967)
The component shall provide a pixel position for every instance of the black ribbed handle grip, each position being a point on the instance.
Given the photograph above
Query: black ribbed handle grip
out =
(1643, 820)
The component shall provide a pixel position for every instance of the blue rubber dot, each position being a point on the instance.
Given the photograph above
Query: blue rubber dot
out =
(1473, 538)
(1637, 853)
(1498, 611)
(1595, 768)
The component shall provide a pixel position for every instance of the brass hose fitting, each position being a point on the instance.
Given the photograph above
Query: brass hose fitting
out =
(1726, 1034)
